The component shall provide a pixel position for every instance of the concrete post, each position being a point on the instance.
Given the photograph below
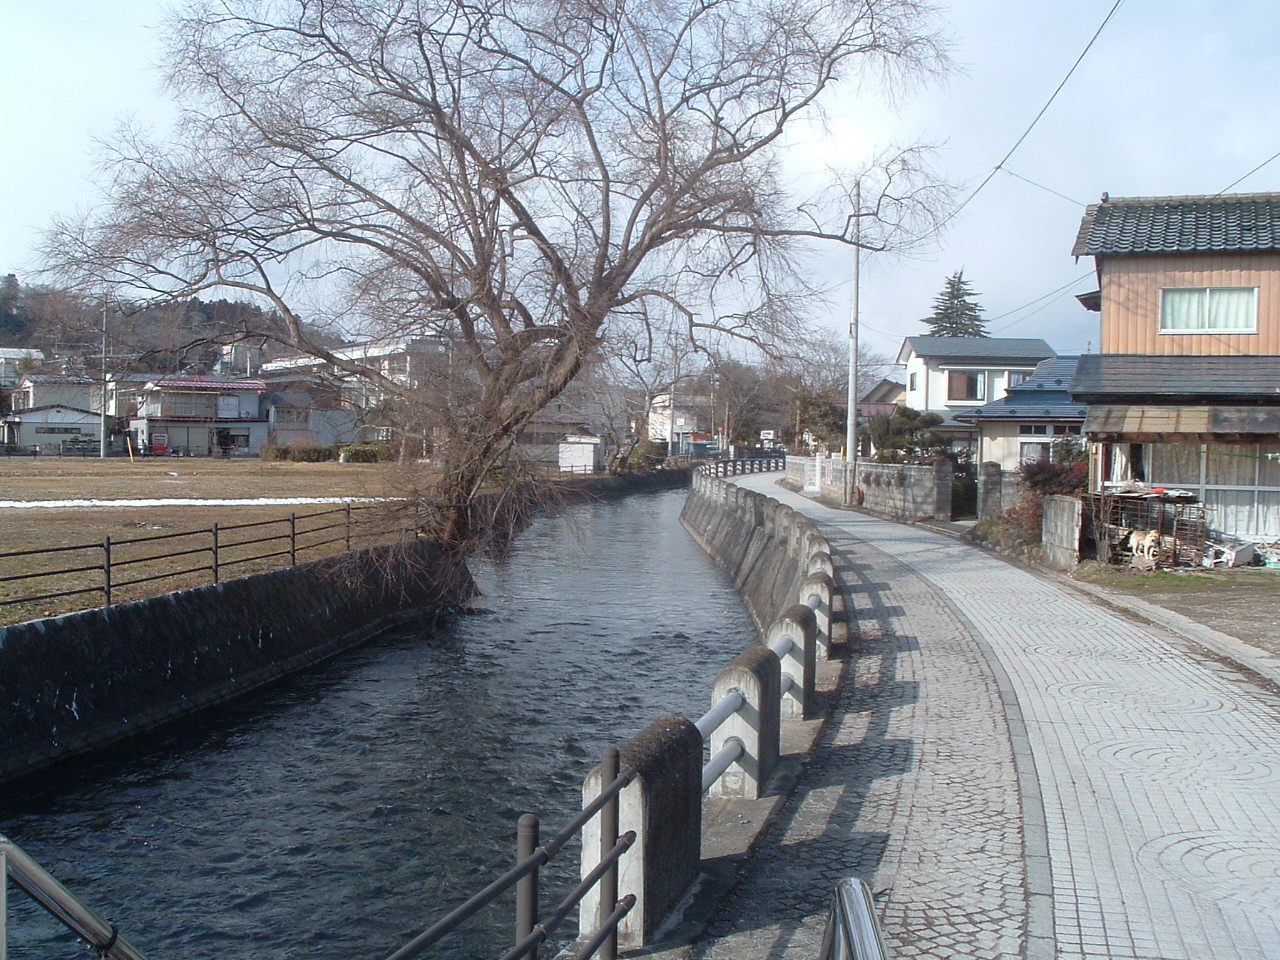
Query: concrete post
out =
(663, 805)
(820, 562)
(944, 472)
(990, 489)
(799, 662)
(820, 587)
(757, 674)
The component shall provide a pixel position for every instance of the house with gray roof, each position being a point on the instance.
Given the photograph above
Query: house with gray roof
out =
(1023, 425)
(953, 376)
(1186, 391)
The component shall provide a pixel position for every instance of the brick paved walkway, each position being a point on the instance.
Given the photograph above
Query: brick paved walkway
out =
(1019, 772)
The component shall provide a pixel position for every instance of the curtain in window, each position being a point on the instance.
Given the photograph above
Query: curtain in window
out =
(1231, 465)
(1231, 512)
(1174, 464)
(1231, 308)
(1182, 309)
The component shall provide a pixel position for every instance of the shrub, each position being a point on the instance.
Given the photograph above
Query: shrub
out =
(271, 451)
(310, 454)
(364, 453)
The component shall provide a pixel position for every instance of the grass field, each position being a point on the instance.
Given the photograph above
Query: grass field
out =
(55, 478)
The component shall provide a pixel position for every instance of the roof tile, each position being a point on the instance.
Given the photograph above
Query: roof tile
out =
(1238, 222)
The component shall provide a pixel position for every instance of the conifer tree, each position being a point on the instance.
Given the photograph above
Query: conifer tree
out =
(955, 310)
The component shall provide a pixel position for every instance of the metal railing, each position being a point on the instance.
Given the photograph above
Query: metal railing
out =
(103, 938)
(852, 931)
(530, 857)
(733, 748)
(205, 551)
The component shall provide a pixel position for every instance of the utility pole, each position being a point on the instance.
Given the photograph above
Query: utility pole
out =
(851, 423)
(102, 401)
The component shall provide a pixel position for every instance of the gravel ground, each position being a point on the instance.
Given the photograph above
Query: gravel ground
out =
(1243, 603)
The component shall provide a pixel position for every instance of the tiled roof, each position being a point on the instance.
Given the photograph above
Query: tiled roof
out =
(1042, 396)
(978, 349)
(1235, 222)
(1123, 375)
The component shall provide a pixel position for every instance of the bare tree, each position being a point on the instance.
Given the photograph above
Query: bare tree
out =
(512, 176)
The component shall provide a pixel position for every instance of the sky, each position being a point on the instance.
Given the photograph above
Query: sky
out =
(1175, 97)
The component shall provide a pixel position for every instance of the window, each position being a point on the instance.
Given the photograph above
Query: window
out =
(1017, 376)
(962, 385)
(1032, 452)
(1209, 309)
(1033, 429)
(911, 385)
(1066, 430)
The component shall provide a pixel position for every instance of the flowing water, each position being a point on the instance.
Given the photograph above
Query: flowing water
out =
(339, 813)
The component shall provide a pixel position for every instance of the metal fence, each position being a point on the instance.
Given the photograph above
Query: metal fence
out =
(112, 567)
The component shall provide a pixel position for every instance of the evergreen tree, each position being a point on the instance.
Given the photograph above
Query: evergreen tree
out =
(955, 310)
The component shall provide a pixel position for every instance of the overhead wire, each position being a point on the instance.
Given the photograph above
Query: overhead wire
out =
(1247, 175)
(997, 168)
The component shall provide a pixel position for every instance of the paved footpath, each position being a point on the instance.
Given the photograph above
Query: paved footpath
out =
(1019, 772)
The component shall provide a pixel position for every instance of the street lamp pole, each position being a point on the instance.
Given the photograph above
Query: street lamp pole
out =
(851, 422)
(102, 400)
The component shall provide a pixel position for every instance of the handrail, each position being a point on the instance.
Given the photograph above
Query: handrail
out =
(852, 931)
(733, 749)
(527, 865)
(101, 935)
(729, 704)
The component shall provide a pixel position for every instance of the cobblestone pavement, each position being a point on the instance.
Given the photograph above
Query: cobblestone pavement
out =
(1018, 771)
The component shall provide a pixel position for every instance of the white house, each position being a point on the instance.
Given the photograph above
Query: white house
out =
(955, 375)
(52, 428)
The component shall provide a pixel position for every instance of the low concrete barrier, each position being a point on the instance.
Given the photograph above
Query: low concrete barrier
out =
(79, 682)
(781, 564)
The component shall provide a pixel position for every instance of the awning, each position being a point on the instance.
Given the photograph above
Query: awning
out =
(1131, 422)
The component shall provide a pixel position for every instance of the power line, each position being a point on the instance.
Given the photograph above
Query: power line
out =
(1247, 175)
(996, 169)
(1032, 303)
(1043, 187)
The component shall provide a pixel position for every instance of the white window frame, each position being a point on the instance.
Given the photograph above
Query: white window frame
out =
(1204, 313)
(980, 376)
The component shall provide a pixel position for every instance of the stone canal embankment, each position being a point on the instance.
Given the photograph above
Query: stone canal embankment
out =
(83, 681)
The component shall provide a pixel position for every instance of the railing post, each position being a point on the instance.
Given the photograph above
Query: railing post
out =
(609, 765)
(4, 906)
(213, 535)
(348, 526)
(526, 886)
(106, 571)
(756, 674)
(293, 539)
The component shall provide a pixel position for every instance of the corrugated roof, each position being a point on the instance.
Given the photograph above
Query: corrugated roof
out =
(208, 383)
(979, 349)
(1118, 375)
(1234, 222)
(1141, 421)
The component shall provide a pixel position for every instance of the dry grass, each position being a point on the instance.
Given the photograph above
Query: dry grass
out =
(50, 478)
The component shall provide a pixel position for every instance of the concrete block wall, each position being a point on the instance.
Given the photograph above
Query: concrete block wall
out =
(998, 490)
(78, 682)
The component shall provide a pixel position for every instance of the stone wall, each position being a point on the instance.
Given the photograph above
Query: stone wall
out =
(904, 491)
(78, 682)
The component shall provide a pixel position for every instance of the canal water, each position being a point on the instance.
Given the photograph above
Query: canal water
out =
(336, 815)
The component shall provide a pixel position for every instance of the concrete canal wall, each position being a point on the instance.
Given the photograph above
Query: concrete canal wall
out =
(83, 681)
(79, 682)
(754, 539)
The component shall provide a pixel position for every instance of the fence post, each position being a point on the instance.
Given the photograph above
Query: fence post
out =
(213, 532)
(609, 768)
(348, 526)
(106, 571)
(293, 539)
(526, 886)
(756, 674)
